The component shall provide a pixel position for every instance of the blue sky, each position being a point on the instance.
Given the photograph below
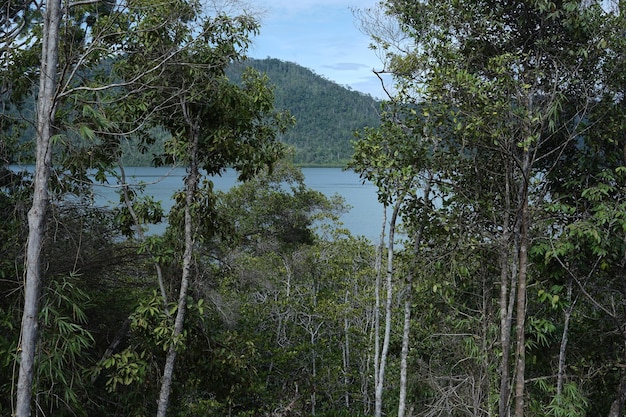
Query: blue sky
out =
(321, 35)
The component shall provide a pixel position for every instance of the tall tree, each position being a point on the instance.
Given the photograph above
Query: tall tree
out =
(57, 72)
(46, 107)
(76, 39)
(394, 157)
(215, 124)
(504, 98)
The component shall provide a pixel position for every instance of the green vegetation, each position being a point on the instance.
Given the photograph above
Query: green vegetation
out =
(327, 114)
(497, 287)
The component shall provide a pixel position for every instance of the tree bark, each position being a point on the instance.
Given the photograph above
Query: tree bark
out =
(388, 301)
(564, 339)
(346, 353)
(405, 350)
(520, 315)
(46, 101)
(506, 312)
(406, 331)
(617, 407)
(377, 304)
(191, 186)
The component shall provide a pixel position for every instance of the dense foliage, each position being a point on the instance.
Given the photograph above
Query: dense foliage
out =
(502, 154)
(327, 114)
(496, 289)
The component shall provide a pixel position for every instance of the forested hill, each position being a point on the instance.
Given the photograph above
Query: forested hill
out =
(327, 114)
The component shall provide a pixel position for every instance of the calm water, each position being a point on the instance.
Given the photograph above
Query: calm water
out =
(364, 218)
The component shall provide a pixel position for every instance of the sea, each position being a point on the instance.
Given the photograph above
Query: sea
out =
(364, 217)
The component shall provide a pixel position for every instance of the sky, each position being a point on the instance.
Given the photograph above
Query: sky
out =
(321, 35)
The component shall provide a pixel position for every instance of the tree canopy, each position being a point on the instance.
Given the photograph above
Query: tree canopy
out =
(497, 284)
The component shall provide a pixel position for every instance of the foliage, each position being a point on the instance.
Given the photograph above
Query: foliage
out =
(498, 123)
(288, 213)
(511, 117)
(327, 115)
(59, 382)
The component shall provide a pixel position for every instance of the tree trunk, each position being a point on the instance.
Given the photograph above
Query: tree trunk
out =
(617, 407)
(377, 304)
(191, 186)
(506, 302)
(520, 315)
(406, 331)
(388, 302)
(405, 351)
(564, 339)
(46, 101)
(346, 353)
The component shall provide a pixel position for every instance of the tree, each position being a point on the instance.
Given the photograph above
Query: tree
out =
(214, 123)
(298, 287)
(89, 33)
(20, 44)
(501, 119)
(395, 158)
(46, 107)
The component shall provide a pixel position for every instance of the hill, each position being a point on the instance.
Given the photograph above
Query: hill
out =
(327, 114)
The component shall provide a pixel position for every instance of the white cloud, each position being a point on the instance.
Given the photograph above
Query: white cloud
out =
(347, 66)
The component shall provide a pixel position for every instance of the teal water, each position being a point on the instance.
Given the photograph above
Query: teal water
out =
(364, 218)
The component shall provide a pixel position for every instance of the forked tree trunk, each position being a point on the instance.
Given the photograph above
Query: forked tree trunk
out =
(37, 214)
(505, 311)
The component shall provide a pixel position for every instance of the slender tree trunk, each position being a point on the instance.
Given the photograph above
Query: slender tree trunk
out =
(191, 186)
(46, 101)
(313, 370)
(377, 304)
(564, 339)
(483, 406)
(507, 297)
(389, 298)
(505, 332)
(617, 407)
(405, 350)
(521, 323)
(406, 331)
(346, 353)
(520, 315)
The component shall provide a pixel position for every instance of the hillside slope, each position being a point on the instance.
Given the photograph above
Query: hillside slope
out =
(327, 114)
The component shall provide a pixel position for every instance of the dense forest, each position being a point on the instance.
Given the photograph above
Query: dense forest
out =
(497, 287)
(326, 114)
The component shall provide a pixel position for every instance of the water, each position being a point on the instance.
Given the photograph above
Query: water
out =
(364, 218)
